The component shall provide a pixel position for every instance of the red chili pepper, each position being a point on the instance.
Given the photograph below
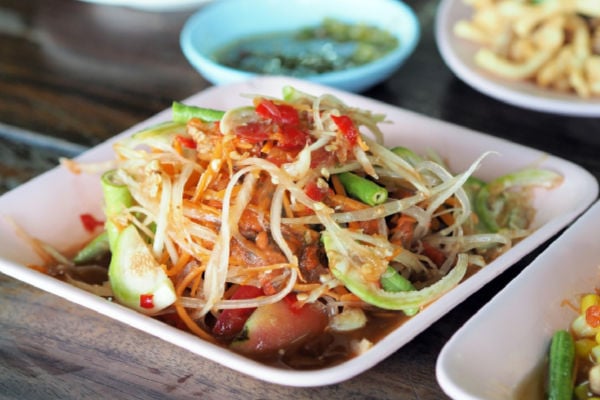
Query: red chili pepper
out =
(315, 192)
(89, 222)
(147, 300)
(592, 316)
(186, 141)
(231, 321)
(279, 113)
(347, 127)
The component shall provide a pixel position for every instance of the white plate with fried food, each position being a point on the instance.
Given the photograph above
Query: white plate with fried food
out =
(543, 59)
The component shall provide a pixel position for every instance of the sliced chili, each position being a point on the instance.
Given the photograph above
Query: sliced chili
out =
(186, 141)
(89, 222)
(147, 300)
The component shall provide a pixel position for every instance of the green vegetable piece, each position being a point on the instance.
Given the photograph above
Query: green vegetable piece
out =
(346, 268)
(392, 281)
(581, 391)
(526, 177)
(561, 365)
(162, 133)
(183, 113)
(94, 250)
(116, 198)
(363, 189)
(137, 279)
(407, 154)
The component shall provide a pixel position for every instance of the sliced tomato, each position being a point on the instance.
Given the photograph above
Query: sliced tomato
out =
(592, 316)
(278, 326)
(347, 127)
(253, 132)
(278, 113)
(322, 158)
(292, 138)
(230, 322)
(315, 192)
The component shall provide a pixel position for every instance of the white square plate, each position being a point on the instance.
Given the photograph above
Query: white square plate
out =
(49, 206)
(506, 341)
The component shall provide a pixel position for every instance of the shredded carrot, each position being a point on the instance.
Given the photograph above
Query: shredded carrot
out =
(306, 287)
(184, 258)
(287, 207)
(347, 203)
(267, 147)
(211, 172)
(40, 268)
(182, 312)
(195, 285)
(262, 240)
(191, 325)
(177, 147)
(349, 297)
(338, 188)
(569, 304)
(164, 258)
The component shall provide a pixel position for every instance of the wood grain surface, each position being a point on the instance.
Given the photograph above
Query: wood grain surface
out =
(73, 74)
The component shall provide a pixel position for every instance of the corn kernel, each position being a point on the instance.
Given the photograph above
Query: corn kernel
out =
(595, 352)
(583, 347)
(587, 301)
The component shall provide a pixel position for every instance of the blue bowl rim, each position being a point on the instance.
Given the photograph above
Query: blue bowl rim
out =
(388, 63)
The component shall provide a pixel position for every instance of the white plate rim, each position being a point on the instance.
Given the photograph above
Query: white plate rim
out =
(152, 5)
(555, 315)
(327, 376)
(458, 56)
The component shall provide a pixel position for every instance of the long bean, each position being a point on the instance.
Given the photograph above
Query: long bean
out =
(95, 249)
(392, 281)
(363, 189)
(183, 113)
(407, 154)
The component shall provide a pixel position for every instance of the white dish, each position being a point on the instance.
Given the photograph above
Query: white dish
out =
(49, 206)
(506, 341)
(458, 55)
(153, 5)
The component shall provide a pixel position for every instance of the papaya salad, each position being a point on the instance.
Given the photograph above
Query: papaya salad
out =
(287, 231)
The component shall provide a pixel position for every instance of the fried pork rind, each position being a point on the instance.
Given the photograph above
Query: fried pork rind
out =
(553, 43)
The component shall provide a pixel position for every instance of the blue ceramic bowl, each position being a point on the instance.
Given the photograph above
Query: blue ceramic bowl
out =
(222, 22)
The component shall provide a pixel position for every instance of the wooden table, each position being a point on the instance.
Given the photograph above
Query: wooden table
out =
(73, 74)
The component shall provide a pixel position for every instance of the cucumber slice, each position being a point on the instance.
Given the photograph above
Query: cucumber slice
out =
(136, 278)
